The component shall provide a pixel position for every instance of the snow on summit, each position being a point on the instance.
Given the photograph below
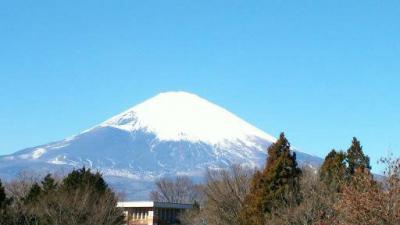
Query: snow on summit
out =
(172, 133)
(175, 116)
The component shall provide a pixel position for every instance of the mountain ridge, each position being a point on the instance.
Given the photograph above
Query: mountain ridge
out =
(173, 133)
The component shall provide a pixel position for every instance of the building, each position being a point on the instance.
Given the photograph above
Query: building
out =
(152, 213)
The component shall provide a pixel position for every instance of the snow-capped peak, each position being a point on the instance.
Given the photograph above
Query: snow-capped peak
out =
(175, 116)
(130, 149)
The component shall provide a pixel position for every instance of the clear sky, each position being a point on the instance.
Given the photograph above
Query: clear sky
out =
(322, 71)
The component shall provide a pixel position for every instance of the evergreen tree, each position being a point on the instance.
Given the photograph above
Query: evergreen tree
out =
(333, 170)
(84, 178)
(83, 198)
(33, 194)
(356, 159)
(48, 183)
(94, 189)
(3, 197)
(253, 213)
(4, 201)
(276, 186)
(281, 175)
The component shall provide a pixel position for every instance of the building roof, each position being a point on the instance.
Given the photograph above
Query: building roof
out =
(151, 204)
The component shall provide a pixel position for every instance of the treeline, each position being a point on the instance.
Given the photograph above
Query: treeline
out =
(80, 198)
(342, 191)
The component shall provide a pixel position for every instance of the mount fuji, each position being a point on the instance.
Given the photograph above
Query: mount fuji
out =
(173, 133)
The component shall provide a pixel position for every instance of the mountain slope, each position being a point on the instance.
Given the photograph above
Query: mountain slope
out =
(169, 134)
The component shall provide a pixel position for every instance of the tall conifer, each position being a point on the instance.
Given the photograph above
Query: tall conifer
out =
(84, 178)
(276, 186)
(3, 197)
(333, 170)
(33, 193)
(4, 203)
(356, 159)
(48, 183)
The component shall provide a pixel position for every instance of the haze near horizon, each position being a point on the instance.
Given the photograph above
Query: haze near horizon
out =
(321, 72)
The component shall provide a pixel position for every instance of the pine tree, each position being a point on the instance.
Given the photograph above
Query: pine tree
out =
(92, 186)
(282, 175)
(48, 183)
(253, 213)
(4, 201)
(84, 178)
(82, 197)
(4, 210)
(276, 186)
(333, 170)
(33, 194)
(2, 194)
(356, 159)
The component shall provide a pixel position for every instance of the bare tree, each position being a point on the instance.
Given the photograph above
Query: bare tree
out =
(85, 202)
(224, 194)
(367, 202)
(20, 186)
(83, 206)
(316, 207)
(179, 190)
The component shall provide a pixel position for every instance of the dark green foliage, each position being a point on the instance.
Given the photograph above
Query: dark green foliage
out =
(33, 194)
(281, 176)
(196, 205)
(12, 213)
(340, 167)
(333, 170)
(48, 183)
(356, 159)
(84, 178)
(4, 204)
(81, 198)
(3, 197)
(278, 185)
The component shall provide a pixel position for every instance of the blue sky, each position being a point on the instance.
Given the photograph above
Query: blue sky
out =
(322, 71)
